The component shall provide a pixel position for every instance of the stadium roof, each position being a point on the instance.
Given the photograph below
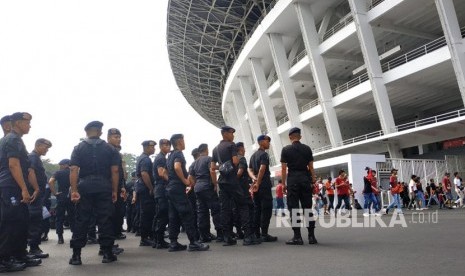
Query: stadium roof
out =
(204, 38)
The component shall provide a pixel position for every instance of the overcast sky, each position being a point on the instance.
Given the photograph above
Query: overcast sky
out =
(71, 62)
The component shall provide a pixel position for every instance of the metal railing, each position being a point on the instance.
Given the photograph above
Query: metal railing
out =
(348, 85)
(283, 120)
(272, 80)
(374, 3)
(341, 24)
(309, 105)
(297, 58)
(427, 121)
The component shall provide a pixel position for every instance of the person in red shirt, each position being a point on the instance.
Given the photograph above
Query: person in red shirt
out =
(342, 188)
(330, 193)
(396, 189)
(446, 185)
(280, 192)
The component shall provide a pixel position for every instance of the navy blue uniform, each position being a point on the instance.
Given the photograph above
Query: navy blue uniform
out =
(94, 157)
(130, 208)
(180, 210)
(64, 203)
(207, 198)
(263, 199)
(192, 197)
(244, 184)
(161, 199)
(14, 215)
(145, 199)
(230, 191)
(118, 215)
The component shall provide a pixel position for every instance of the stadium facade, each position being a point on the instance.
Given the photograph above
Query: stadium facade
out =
(357, 76)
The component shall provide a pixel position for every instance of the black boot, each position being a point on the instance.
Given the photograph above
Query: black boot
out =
(76, 258)
(311, 236)
(197, 246)
(297, 239)
(37, 252)
(60, 239)
(108, 256)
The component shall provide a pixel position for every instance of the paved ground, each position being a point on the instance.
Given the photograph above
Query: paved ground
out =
(431, 244)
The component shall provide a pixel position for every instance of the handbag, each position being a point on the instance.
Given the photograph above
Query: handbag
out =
(225, 168)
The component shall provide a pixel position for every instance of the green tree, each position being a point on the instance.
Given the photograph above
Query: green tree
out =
(130, 160)
(50, 168)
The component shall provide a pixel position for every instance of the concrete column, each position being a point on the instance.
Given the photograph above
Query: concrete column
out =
(246, 92)
(267, 108)
(372, 62)
(394, 150)
(451, 28)
(278, 52)
(318, 67)
(244, 125)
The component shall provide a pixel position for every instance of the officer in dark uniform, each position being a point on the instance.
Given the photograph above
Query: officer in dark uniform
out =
(35, 209)
(14, 196)
(94, 183)
(244, 180)
(5, 122)
(160, 174)
(230, 190)
(130, 204)
(144, 189)
(297, 167)
(64, 203)
(192, 197)
(206, 194)
(259, 171)
(180, 210)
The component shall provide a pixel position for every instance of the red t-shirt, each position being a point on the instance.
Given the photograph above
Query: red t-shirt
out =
(393, 182)
(344, 189)
(279, 191)
(329, 189)
(446, 183)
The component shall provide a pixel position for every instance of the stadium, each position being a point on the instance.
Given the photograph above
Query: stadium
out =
(377, 83)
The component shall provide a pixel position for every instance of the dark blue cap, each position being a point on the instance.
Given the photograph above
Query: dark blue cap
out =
(94, 124)
(294, 130)
(64, 162)
(44, 142)
(195, 152)
(114, 131)
(17, 116)
(263, 137)
(239, 145)
(164, 142)
(147, 143)
(202, 147)
(175, 137)
(227, 129)
(5, 119)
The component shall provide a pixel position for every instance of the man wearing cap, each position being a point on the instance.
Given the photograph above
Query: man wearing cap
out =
(226, 151)
(160, 175)
(259, 172)
(35, 209)
(14, 193)
(297, 170)
(180, 210)
(206, 194)
(144, 189)
(64, 204)
(94, 177)
(5, 122)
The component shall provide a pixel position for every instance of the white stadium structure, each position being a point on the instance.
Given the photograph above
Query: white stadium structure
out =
(370, 82)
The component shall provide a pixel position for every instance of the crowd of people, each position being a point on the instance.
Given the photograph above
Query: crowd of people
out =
(93, 190)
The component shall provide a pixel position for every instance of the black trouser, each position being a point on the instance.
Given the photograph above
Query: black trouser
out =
(180, 211)
(100, 207)
(263, 208)
(331, 202)
(299, 189)
(92, 229)
(117, 219)
(64, 205)
(193, 202)
(161, 217)
(35, 222)
(130, 214)
(230, 191)
(147, 214)
(208, 200)
(236, 215)
(346, 200)
(13, 224)
(136, 219)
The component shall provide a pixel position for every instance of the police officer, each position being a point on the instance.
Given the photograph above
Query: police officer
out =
(63, 201)
(226, 151)
(5, 122)
(192, 197)
(160, 174)
(14, 193)
(297, 170)
(94, 183)
(35, 209)
(180, 210)
(206, 194)
(259, 171)
(130, 204)
(144, 188)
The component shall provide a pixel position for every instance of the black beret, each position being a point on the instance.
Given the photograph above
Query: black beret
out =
(44, 142)
(263, 137)
(5, 119)
(164, 142)
(393, 170)
(227, 129)
(114, 131)
(175, 137)
(239, 145)
(195, 152)
(202, 147)
(64, 162)
(20, 116)
(294, 130)
(94, 124)
(149, 143)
